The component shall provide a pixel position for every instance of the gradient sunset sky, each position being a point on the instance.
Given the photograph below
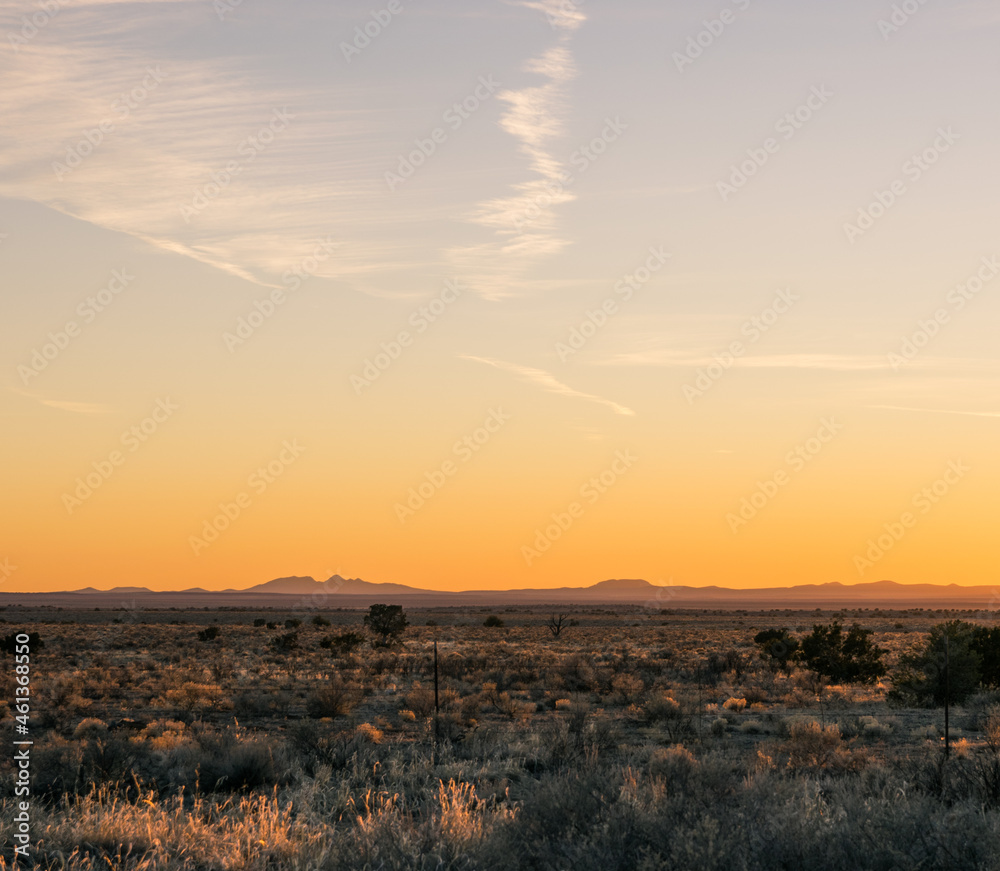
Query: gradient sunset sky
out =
(283, 297)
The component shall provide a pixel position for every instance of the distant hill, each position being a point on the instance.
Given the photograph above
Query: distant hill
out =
(124, 591)
(623, 585)
(296, 592)
(334, 585)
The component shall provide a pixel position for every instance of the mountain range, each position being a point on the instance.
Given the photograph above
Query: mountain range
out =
(356, 593)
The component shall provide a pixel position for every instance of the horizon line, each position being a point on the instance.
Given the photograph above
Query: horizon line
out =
(90, 590)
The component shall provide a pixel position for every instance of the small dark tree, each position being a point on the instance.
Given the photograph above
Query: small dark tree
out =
(862, 658)
(853, 658)
(986, 642)
(386, 623)
(821, 650)
(285, 643)
(342, 643)
(777, 648)
(209, 633)
(946, 667)
(555, 624)
(493, 622)
(8, 644)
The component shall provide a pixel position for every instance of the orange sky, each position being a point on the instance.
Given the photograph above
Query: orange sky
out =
(393, 314)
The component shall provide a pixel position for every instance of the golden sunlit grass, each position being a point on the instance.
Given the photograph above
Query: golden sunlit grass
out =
(149, 832)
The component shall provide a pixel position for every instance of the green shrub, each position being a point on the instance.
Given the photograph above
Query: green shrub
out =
(334, 698)
(851, 658)
(210, 633)
(777, 648)
(285, 643)
(946, 667)
(343, 643)
(386, 622)
(9, 643)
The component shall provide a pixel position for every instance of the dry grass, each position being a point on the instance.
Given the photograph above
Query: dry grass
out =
(656, 750)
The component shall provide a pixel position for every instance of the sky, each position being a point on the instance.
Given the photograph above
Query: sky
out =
(493, 294)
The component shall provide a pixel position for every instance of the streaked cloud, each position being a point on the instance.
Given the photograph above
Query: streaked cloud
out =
(938, 410)
(192, 119)
(76, 407)
(548, 382)
(70, 405)
(525, 220)
(685, 358)
(562, 14)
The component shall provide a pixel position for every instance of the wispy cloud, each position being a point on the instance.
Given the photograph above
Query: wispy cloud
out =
(685, 358)
(322, 176)
(548, 382)
(73, 406)
(560, 13)
(938, 410)
(76, 407)
(173, 122)
(833, 362)
(535, 118)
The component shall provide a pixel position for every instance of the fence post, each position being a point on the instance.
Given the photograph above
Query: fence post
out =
(437, 707)
(947, 693)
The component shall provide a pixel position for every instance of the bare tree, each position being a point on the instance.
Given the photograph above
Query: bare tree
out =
(555, 624)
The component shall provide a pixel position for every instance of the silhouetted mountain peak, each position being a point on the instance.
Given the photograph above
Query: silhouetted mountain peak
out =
(621, 585)
(294, 585)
